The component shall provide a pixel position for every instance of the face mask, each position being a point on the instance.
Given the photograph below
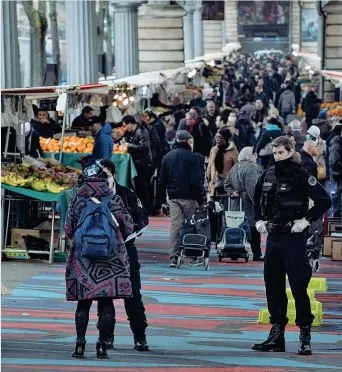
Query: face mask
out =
(110, 181)
(308, 137)
(171, 143)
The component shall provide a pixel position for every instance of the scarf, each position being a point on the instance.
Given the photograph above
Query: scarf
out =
(282, 165)
(246, 154)
(193, 126)
(219, 158)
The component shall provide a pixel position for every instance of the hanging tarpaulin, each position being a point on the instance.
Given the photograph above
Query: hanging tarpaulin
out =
(334, 76)
(308, 61)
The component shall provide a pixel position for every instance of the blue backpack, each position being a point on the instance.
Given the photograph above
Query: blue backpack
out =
(95, 234)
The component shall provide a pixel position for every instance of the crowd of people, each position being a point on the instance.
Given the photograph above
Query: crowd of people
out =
(243, 140)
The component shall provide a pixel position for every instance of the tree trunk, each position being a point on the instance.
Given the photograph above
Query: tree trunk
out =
(56, 54)
(108, 42)
(38, 25)
(42, 35)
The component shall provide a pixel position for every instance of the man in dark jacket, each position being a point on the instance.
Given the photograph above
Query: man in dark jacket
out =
(139, 148)
(335, 163)
(262, 96)
(156, 123)
(182, 176)
(260, 112)
(44, 126)
(211, 116)
(200, 133)
(154, 142)
(103, 144)
(310, 106)
(134, 306)
(82, 121)
(307, 153)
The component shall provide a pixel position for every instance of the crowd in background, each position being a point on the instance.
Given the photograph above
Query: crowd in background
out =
(230, 128)
(255, 101)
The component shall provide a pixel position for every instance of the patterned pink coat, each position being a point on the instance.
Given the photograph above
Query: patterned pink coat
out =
(97, 279)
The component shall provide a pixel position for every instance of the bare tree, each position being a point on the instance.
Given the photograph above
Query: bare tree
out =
(38, 25)
(56, 53)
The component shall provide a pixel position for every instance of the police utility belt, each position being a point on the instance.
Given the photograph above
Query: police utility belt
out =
(276, 228)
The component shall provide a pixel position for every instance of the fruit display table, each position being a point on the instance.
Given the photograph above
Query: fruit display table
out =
(61, 198)
(125, 169)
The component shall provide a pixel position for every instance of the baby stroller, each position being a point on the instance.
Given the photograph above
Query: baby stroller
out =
(232, 242)
(314, 245)
(196, 238)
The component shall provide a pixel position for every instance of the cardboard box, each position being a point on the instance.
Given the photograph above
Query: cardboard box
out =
(46, 235)
(335, 227)
(45, 232)
(336, 250)
(327, 246)
(17, 238)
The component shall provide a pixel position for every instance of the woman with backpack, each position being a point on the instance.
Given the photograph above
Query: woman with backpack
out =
(97, 267)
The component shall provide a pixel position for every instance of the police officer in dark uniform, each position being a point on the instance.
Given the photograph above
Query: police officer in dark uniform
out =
(281, 209)
(134, 306)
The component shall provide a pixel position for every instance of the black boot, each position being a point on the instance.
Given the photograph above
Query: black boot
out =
(141, 344)
(275, 340)
(304, 341)
(101, 350)
(79, 348)
(110, 342)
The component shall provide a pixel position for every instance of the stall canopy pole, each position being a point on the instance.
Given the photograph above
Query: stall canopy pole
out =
(53, 205)
(7, 141)
(63, 127)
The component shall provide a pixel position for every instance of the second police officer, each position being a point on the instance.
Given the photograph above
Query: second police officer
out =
(281, 208)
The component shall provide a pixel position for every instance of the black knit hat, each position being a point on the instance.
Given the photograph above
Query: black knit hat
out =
(226, 134)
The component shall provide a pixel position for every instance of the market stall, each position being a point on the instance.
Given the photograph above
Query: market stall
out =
(41, 183)
(125, 169)
(334, 109)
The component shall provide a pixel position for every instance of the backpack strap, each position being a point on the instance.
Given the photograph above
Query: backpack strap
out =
(96, 201)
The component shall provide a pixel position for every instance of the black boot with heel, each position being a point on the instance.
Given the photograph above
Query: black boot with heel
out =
(275, 340)
(304, 341)
(79, 348)
(101, 350)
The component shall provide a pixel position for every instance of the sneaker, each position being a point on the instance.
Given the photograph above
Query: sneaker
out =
(173, 261)
(198, 261)
(258, 258)
(220, 245)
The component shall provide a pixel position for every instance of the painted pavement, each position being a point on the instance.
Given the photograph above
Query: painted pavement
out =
(198, 321)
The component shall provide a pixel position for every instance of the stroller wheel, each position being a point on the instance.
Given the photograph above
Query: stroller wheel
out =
(220, 258)
(246, 258)
(315, 266)
(179, 262)
(206, 264)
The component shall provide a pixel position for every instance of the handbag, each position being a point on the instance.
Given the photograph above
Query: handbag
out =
(219, 183)
(321, 172)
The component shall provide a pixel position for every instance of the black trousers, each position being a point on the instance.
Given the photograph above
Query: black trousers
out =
(255, 242)
(141, 182)
(134, 306)
(106, 314)
(286, 254)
